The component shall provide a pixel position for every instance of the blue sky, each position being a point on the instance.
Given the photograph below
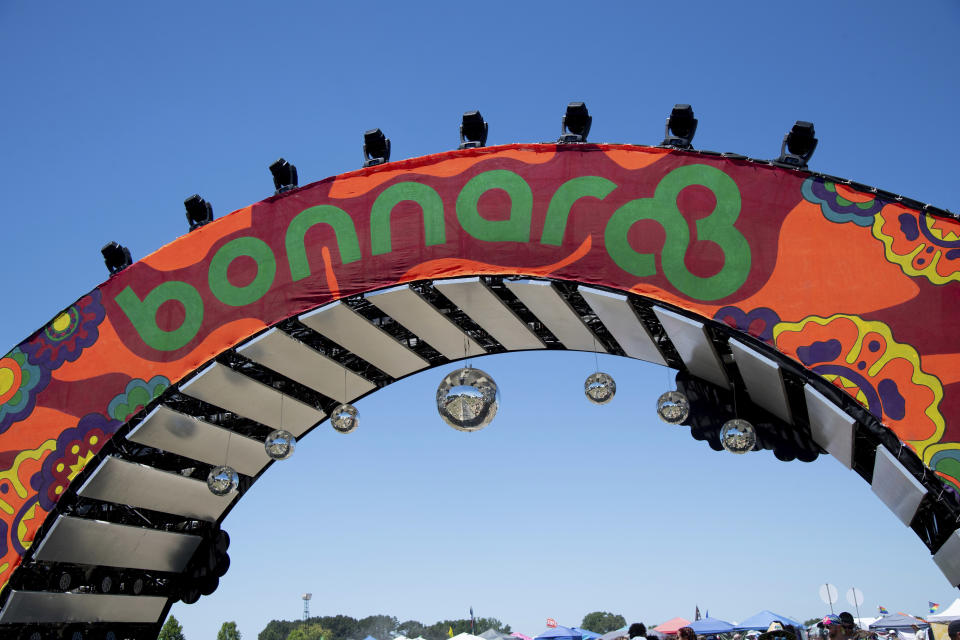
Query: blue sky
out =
(114, 112)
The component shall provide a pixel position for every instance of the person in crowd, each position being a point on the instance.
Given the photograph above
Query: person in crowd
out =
(637, 630)
(953, 630)
(686, 633)
(776, 631)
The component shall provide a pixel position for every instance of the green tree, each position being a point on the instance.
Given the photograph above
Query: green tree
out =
(309, 631)
(171, 630)
(379, 626)
(411, 628)
(602, 622)
(340, 627)
(277, 630)
(228, 631)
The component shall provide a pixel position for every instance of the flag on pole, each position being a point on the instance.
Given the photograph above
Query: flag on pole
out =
(933, 606)
(883, 610)
(696, 615)
(450, 632)
(551, 622)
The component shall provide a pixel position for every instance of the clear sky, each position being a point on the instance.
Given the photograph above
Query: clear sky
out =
(114, 112)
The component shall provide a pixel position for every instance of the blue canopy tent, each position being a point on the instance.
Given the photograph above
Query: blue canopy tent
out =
(560, 633)
(587, 635)
(706, 626)
(761, 621)
(898, 621)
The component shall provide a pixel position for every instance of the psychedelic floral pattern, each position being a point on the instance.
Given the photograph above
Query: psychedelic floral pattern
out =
(923, 245)
(857, 207)
(138, 394)
(75, 448)
(862, 358)
(20, 382)
(758, 323)
(68, 334)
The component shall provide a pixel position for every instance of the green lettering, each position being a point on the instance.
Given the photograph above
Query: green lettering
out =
(517, 227)
(563, 199)
(143, 314)
(347, 243)
(220, 285)
(425, 196)
(717, 227)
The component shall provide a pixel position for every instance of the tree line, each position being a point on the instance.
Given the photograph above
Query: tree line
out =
(381, 627)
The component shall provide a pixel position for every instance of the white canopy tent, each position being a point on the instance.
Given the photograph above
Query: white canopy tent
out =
(950, 613)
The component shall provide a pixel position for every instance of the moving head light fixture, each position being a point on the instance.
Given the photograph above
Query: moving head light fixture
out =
(284, 176)
(473, 131)
(681, 127)
(199, 211)
(798, 145)
(575, 124)
(116, 257)
(376, 148)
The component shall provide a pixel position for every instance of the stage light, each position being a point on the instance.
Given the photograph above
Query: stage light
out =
(116, 257)
(681, 127)
(284, 175)
(199, 211)
(600, 388)
(473, 131)
(376, 148)
(575, 124)
(798, 145)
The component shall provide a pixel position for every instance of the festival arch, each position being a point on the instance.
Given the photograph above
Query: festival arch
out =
(818, 309)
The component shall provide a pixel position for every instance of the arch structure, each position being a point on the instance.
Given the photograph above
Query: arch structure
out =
(820, 307)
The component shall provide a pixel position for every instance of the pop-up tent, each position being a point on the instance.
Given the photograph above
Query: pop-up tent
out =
(711, 625)
(586, 633)
(616, 633)
(761, 621)
(900, 622)
(950, 613)
(560, 633)
(670, 627)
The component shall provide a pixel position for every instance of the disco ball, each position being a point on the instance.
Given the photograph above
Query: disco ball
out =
(222, 480)
(468, 399)
(345, 418)
(280, 444)
(738, 436)
(673, 407)
(600, 388)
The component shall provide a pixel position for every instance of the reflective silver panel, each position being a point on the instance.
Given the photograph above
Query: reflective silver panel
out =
(831, 428)
(555, 313)
(287, 355)
(489, 312)
(349, 329)
(138, 485)
(222, 386)
(107, 544)
(419, 316)
(763, 379)
(172, 431)
(948, 558)
(618, 316)
(694, 346)
(35, 606)
(896, 486)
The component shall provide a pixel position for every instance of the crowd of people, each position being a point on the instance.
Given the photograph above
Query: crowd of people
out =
(832, 627)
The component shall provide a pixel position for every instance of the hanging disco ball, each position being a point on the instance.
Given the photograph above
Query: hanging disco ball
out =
(600, 388)
(673, 407)
(468, 399)
(280, 444)
(345, 418)
(222, 480)
(738, 436)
